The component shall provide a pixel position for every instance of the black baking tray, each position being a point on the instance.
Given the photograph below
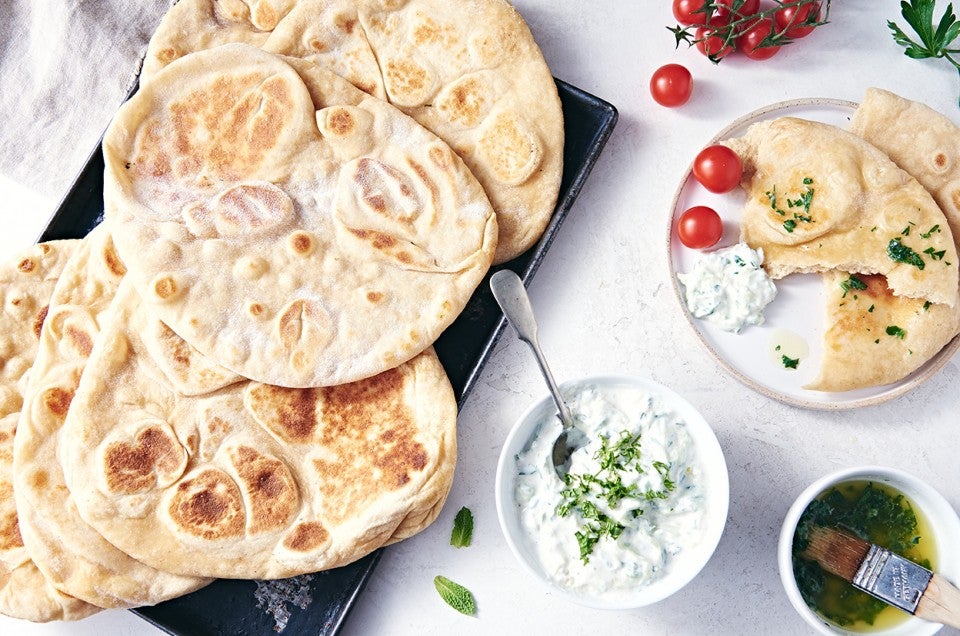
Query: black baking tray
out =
(317, 604)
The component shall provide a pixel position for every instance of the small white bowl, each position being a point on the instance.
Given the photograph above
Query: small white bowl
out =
(944, 525)
(689, 562)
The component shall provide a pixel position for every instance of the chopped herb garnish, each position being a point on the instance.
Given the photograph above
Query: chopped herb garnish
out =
(807, 181)
(777, 348)
(739, 261)
(893, 330)
(904, 254)
(582, 491)
(877, 341)
(937, 256)
(789, 225)
(873, 229)
(928, 233)
(789, 363)
(870, 311)
(906, 231)
(852, 283)
(926, 305)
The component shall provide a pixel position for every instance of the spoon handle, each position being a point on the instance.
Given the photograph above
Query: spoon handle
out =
(512, 297)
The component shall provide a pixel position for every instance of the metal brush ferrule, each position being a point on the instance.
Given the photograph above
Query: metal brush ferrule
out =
(892, 578)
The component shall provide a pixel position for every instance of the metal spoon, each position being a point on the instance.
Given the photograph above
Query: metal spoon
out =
(513, 300)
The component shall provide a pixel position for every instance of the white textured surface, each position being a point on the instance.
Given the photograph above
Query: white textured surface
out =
(606, 306)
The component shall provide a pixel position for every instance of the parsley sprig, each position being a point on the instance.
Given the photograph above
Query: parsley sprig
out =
(583, 490)
(729, 31)
(935, 38)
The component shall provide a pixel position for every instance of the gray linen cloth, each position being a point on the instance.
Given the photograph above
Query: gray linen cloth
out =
(65, 68)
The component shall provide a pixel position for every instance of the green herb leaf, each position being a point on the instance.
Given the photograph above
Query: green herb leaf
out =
(904, 254)
(935, 228)
(893, 330)
(852, 283)
(455, 595)
(926, 305)
(870, 311)
(937, 256)
(790, 225)
(934, 42)
(789, 363)
(462, 533)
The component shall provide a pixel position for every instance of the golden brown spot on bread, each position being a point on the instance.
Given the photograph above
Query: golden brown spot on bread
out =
(386, 191)
(26, 265)
(38, 320)
(167, 55)
(208, 505)
(464, 103)
(345, 23)
(255, 309)
(270, 488)
(404, 257)
(113, 262)
(39, 479)
(378, 239)
(340, 121)
(318, 45)
(306, 537)
(57, 401)
(955, 198)
(301, 243)
(81, 340)
(303, 323)
(940, 160)
(132, 468)
(165, 288)
(374, 297)
(290, 414)
(355, 418)
(405, 79)
(10, 529)
(45, 248)
(876, 286)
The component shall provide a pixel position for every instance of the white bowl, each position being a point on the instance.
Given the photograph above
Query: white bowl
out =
(944, 525)
(689, 562)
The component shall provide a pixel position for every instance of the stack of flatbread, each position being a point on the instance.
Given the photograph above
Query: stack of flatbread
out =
(233, 375)
(875, 211)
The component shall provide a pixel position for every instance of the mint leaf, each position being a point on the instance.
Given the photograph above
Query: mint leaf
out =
(455, 595)
(462, 529)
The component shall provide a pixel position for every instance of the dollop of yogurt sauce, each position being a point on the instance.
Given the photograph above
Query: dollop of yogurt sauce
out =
(646, 531)
(728, 287)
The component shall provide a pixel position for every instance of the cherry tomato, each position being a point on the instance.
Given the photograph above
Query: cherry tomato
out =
(699, 227)
(750, 41)
(749, 7)
(671, 85)
(712, 44)
(685, 11)
(718, 168)
(789, 18)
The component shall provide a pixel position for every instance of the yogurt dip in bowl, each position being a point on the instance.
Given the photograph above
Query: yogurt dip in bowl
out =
(641, 507)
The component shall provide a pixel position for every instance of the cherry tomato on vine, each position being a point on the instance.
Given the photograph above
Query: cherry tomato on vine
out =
(709, 43)
(699, 227)
(756, 33)
(790, 18)
(718, 168)
(671, 85)
(748, 8)
(685, 11)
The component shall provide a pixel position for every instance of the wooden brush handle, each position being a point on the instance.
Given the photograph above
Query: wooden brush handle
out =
(940, 602)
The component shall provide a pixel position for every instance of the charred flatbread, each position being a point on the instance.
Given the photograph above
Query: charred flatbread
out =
(252, 480)
(468, 70)
(297, 243)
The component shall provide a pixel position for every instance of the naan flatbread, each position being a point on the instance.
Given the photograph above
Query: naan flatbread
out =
(920, 140)
(874, 337)
(468, 70)
(820, 198)
(297, 244)
(69, 553)
(26, 284)
(252, 480)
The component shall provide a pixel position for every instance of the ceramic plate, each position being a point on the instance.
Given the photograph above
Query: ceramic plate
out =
(794, 320)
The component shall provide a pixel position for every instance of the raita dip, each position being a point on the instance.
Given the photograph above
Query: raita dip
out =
(728, 287)
(631, 504)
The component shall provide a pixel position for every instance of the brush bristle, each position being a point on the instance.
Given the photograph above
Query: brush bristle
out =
(837, 552)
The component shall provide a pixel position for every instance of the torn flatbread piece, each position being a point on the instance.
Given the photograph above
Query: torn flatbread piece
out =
(820, 198)
(920, 140)
(874, 337)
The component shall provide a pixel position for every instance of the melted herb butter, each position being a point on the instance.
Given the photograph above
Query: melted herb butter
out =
(729, 287)
(875, 513)
(631, 504)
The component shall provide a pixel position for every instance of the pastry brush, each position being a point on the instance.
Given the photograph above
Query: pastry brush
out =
(885, 575)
